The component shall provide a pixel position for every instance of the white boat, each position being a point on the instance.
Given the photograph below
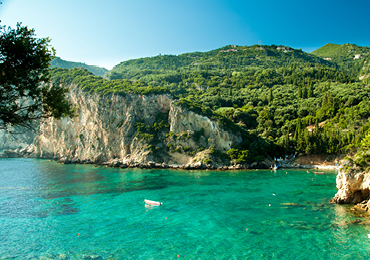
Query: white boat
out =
(152, 203)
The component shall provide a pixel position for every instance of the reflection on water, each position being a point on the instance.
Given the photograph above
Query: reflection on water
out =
(48, 210)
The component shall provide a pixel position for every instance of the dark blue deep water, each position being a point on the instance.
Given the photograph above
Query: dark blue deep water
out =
(54, 211)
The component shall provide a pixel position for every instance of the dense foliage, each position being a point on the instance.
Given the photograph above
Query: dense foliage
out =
(280, 100)
(96, 84)
(347, 57)
(25, 95)
(360, 162)
(57, 62)
(228, 58)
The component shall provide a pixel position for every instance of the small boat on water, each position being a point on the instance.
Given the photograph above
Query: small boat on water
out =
(152, 203)
(319, 172)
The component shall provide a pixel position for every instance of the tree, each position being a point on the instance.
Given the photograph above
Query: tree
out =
(26, 93)
(365, 143)
(310, 91)
(299, 92)
(271, 96)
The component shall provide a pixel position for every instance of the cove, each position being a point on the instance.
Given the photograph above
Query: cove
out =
(56, 211)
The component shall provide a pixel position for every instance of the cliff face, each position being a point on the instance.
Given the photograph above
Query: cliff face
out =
(365, 71)
(20, 139)
(352, 187)
(128, 129)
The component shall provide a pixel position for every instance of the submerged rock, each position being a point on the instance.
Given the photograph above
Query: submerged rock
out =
(291, 204)
(64, 160)
(92, 257)
(63, 257)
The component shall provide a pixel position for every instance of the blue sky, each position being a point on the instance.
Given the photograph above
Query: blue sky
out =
(107, 32)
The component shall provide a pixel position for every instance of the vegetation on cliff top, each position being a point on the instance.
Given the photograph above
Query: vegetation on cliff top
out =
(347, 57)
(280, 100)
(99, 85)
(360, 162)
(57, 62)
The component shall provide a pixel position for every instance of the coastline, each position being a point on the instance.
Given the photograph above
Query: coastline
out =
(301, 162)
(322, 167)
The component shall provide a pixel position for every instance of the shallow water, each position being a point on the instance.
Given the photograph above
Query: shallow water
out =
(48, 210)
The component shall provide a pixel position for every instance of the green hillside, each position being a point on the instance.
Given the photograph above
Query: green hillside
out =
(348, 57)
(364, 74)
(280, 100)
(328, 50)
(59, 63)
(231, 57)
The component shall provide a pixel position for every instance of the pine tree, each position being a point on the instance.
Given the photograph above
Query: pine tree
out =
(324, 100)
(304, 92)
(297, 129)
(310, 91)
(271, 96)
(286, 141)
(316, 126)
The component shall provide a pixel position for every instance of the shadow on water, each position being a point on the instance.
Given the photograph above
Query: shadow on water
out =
(89, 192)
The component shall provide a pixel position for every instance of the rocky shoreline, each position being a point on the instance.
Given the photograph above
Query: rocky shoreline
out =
(28, 152)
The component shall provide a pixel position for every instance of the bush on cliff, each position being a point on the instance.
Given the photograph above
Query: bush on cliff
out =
(237, 155)
(99, 85)
(360, 162)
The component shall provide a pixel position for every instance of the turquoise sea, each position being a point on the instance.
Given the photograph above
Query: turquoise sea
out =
(54, 211)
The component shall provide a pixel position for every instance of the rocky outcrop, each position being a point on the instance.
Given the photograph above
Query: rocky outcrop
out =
(27, 151)
(182, 120)
(104, 128)
(352, 187)
(125, 130)
(16, 138)
(365, 71)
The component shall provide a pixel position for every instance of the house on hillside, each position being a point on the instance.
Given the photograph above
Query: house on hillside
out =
(229, 50)
(283, 48)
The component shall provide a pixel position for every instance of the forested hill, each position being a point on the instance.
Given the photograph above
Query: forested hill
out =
(230, 57)
(59, 63)
(347, 57)
(290, 100)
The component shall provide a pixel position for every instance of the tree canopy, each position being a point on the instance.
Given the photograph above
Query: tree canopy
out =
(281, 101)
(26, 93)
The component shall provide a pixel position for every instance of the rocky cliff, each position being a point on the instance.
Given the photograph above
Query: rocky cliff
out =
(19, 139)
(353, 181)
(132, 129)
(352, 187)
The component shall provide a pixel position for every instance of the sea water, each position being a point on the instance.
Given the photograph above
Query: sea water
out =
(54, 211)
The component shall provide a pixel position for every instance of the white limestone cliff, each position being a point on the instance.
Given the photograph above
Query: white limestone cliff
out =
(104, 130)
(352, 187)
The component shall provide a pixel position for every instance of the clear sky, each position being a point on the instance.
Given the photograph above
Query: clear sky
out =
(106, 32)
